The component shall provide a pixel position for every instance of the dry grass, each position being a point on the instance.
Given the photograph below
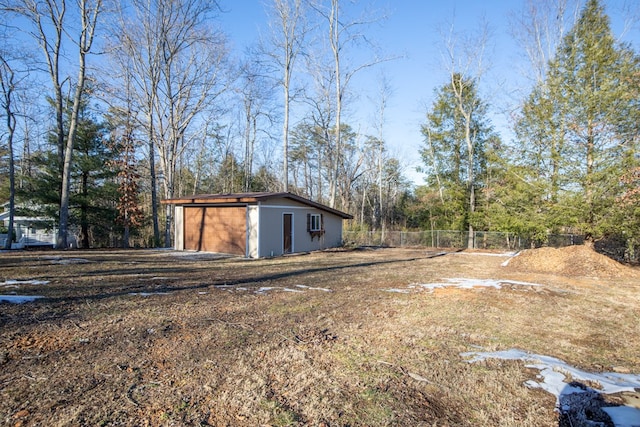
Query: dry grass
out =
(202, 350)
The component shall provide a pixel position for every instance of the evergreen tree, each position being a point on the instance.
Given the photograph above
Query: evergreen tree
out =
(229, 177)
(574, 128)
(40, 196)
(454, 155)
(93, 191)
(92, 197)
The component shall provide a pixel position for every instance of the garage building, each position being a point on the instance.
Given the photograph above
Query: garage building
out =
(255, 225)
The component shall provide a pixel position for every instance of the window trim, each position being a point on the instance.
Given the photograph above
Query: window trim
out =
(317, 218)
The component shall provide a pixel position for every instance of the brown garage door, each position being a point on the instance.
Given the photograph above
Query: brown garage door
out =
(215, 229)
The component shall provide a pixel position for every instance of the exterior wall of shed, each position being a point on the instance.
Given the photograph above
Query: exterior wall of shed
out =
(178, 227)
(270, 242)
(264, 233)
(271, 225)
(253, 227)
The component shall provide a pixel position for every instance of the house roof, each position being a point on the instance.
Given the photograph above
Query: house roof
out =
(248, 198)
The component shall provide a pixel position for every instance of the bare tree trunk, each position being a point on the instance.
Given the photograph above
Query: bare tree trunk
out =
(459, 89)
(154, 187)
(49, 39)
(248, 148)
(287, 41)
(84, 217)
(341, 35)
(7, 83)
(334, 39)
(435, 165)
(125, 236)
(589, 184)
(464, 70)
(167, 225)
(89, 16)
(285, 142)
(385, 92)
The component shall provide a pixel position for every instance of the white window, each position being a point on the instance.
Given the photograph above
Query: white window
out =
(315, 223)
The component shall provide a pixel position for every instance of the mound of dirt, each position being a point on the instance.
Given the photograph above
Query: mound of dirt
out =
(578, 260)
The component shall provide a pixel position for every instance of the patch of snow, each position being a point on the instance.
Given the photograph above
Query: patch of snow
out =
(74, 261)
(506, 263)
(553, 376)
(147, 294)
(314, 289)
(501, 254)
(462, 283)
(623, 416)
(65, 261)
(13, 283)
(19, 299)
(399, 291)
(264, 289)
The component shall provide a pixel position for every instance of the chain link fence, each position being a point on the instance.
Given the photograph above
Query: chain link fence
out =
(618, 248)
(455, 239)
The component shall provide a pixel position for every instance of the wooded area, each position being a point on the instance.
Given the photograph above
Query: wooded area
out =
(109, 107)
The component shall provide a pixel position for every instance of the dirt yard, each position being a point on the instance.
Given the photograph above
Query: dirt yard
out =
(341, 338)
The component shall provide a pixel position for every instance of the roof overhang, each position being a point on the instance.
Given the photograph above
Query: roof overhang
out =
(249, 198)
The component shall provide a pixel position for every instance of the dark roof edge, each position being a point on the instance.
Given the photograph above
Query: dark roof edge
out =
(316, 205)
(251, 197)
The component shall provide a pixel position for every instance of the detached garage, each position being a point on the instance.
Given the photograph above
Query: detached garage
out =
(255, 225)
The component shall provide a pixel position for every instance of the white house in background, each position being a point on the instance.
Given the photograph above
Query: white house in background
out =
(29, 230)
(255, 225)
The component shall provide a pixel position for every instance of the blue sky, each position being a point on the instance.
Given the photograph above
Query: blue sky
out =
(413, 30)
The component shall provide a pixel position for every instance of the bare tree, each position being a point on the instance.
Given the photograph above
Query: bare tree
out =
(341, 36)
(52, 22)
(176, 60)
(539, 29)
(7, 86)
(383, 98)
(89, 12)
(321, 120)
(288, 32)
(256, 92)
(465, 64)
(123, 139)
(136, 55)
(48, 21)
